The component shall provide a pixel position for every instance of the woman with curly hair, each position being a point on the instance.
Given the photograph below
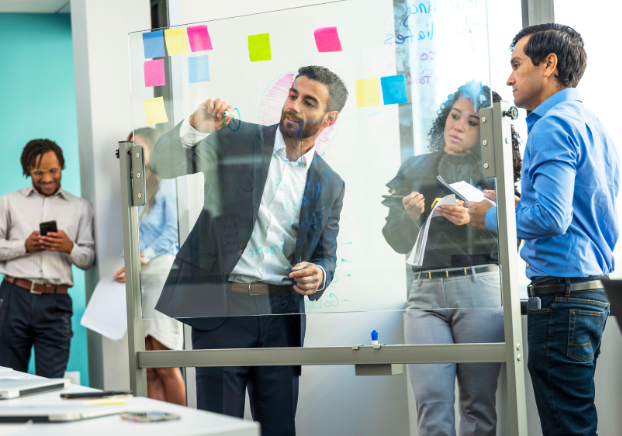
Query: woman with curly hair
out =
(455, 296)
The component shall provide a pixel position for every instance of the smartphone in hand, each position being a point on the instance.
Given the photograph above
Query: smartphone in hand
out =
(48, 226)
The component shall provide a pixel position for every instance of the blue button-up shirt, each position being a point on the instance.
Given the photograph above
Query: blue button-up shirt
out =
(158, 229)
(569, 183)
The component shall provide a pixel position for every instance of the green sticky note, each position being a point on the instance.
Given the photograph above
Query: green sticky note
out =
(259, 47)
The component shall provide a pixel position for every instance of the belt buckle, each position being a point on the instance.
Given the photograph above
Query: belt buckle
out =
(32, 289)
(249, 291)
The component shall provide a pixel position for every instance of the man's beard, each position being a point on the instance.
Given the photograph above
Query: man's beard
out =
(298, 131)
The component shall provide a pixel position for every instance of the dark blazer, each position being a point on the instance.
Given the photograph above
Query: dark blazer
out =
(196, 289)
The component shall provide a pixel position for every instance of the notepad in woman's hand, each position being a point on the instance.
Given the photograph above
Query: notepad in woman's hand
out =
(465, 191)
(416, 255)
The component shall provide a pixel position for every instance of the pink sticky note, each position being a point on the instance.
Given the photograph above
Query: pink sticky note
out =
(154, 73)
(327, 39)
(199, 38)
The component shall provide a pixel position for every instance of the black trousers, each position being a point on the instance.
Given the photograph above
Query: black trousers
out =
(28, 319)
(273, 391)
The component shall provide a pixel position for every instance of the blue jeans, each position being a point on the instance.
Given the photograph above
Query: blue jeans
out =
(564, 343)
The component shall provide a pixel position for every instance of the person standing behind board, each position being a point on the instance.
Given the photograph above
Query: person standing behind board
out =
(568, 218)
(35, 308)
(158, 246)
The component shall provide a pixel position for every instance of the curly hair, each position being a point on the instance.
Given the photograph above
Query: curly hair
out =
(34, 151)
(480, 96)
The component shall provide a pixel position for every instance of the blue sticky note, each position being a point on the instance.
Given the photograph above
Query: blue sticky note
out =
(393, 89)
(198, 69)
(153, 42)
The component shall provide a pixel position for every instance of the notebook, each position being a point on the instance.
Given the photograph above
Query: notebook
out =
(57, 413)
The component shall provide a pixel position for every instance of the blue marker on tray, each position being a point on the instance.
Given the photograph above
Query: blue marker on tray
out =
(374, 337)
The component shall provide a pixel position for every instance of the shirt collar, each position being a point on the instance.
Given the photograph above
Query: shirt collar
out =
(60, 193)
(279, 151)
(568, 94)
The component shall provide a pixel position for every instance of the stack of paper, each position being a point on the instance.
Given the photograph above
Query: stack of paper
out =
(415, 257)
(106, 313)
(465, 191)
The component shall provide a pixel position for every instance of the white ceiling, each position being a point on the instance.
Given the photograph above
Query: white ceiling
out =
(35, 6)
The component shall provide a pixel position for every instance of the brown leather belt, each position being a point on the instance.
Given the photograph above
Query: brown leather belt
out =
(35, 288)
(253, 288)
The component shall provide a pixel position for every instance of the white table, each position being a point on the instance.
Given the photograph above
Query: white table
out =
(192, 421)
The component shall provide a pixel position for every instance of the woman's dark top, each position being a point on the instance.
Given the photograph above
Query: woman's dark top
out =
(449, 245)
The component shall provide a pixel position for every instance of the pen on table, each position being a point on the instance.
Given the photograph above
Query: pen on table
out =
(95, 394)
(103, 402)
(230, 114)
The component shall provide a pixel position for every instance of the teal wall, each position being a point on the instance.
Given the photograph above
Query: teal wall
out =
(39, 101)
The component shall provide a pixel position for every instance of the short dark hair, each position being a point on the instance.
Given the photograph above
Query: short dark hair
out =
(565, 42)
(336, 88)
(31, 155)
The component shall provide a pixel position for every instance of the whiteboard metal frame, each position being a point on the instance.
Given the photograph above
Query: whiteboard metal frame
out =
(495, 129)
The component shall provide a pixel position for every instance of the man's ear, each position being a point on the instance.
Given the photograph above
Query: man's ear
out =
(330, 118)
(550, 65)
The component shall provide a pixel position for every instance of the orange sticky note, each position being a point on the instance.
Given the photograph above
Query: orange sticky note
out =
(154, 110)
(367, 92)
(176, 42)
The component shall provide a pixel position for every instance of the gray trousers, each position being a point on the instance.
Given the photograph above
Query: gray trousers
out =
(434, 384)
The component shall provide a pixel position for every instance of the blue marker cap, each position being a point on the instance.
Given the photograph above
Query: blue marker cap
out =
(374, 335)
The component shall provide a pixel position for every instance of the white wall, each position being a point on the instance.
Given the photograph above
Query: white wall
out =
(101, 65)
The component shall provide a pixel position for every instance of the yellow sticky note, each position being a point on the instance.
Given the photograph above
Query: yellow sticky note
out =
(259, 47)
(154, 110)
(176, 41)
(367, 92)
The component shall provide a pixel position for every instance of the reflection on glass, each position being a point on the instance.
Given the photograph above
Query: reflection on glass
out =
(457, 281)
(266, 237)
(283, 145)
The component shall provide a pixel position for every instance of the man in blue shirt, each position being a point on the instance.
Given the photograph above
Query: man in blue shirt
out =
(567, 216)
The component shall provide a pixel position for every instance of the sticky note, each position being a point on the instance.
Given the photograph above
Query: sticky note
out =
(259, 47)
(154, 73)
(153, 43)
(154, 110)
(327, 39)
(176, 41)
(393, 89)
(198, 69)
(198, 37)
(367, 92)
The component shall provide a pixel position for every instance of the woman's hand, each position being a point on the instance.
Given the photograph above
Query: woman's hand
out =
(209, 116)
(456, 214)
(414, 205)
(491, 195)
(120, 275)
(143, 261)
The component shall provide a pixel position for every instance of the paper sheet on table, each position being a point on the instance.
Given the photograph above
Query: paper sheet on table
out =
(465, 190)
(106, 313)
(415, 257)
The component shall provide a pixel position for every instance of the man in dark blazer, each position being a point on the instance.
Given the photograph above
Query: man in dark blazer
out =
(267, 236)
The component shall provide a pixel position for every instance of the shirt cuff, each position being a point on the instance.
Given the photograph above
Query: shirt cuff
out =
(491, 219)
(18, 248)
(189, 135)
(148, 254)
(324, 282)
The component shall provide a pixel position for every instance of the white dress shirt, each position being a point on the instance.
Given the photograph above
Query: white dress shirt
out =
(269, 254)
(20, 214)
